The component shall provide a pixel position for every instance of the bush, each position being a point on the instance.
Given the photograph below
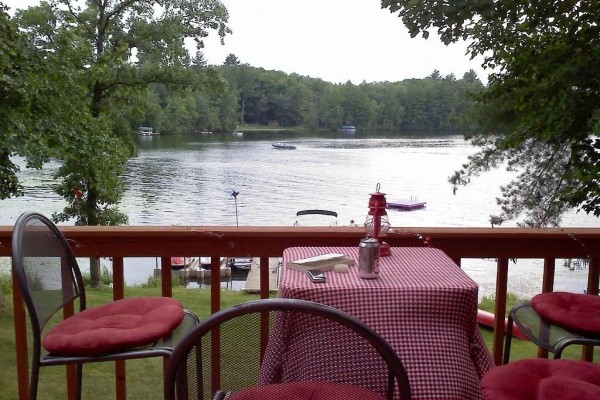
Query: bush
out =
(488, 303)
(106, 277)
(5, 289)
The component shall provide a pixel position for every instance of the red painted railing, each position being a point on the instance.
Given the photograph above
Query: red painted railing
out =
(501, 244)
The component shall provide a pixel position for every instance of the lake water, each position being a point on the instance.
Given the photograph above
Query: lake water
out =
(187, 180)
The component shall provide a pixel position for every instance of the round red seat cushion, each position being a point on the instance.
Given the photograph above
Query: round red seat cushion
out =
(115, 326)
(542, 379)
(576, 312)
(308, 390)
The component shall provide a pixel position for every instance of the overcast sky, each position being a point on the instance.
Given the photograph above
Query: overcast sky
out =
(335, 40)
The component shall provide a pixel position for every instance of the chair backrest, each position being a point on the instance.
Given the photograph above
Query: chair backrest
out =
(300, 341)
(46, 270)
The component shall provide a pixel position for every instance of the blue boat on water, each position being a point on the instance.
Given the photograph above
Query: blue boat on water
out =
(346, 128)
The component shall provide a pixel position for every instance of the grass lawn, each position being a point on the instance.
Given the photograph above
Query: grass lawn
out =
(144, 377)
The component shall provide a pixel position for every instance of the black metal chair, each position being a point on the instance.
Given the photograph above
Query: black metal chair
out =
(280, 349)
(50, 280)
(556, 320)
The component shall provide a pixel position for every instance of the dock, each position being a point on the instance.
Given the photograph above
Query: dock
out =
(195, 273)
(253, 279)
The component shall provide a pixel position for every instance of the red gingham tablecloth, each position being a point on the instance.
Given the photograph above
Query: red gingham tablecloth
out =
(422, 304)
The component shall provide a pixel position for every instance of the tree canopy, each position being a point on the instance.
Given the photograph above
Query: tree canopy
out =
(540, 116)
(77, 71)
(104, 56)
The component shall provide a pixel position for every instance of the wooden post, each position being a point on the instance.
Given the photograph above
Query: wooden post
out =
(500, 311)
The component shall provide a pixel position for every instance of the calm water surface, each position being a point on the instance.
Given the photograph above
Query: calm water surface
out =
(187, 180)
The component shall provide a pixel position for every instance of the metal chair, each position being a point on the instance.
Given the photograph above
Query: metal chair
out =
(51, 283)
(556, 320)
(280, 349)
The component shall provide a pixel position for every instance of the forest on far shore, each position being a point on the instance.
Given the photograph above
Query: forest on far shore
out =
(251, 95)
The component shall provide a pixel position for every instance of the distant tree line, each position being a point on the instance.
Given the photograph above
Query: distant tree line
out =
(255, 96)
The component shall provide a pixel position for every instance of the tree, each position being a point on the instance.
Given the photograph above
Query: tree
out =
(111, 52)
(540, 115)
(35, 107)
(231, 60)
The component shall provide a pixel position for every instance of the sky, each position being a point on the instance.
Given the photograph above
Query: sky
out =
(335, 40)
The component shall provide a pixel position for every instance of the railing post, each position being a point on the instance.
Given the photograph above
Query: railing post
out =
(21, 341)
(547, 286)
(215, 337)
(119, 293)
(500, 311)
(166, 277)
(264, 277)
(587, 352)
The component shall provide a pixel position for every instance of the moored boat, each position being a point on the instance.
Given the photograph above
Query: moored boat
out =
(240, 263)
(178, 263)
(146, 131)
(347, 128)
(316, 212)
(205, 262)
(283, 146)
(406, 204)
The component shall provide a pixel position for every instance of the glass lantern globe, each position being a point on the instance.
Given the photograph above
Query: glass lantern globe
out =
(377, 223)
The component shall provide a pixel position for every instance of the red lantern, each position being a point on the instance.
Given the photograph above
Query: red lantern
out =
(377, 222)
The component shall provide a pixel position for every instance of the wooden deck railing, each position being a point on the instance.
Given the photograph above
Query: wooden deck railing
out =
(501, 244)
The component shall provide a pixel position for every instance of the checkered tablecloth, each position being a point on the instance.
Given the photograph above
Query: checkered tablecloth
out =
(423, 304)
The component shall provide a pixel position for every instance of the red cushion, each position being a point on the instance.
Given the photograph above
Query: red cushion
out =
(576, 312)
(309, 390)
(542, 379)
(115, 326)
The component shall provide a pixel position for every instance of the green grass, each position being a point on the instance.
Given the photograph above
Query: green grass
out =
(144, 377)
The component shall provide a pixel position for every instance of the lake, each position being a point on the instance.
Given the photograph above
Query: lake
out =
(188, 180)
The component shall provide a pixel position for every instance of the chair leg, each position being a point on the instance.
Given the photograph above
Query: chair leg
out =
(79, 368)
(508, 339)
(33, 380)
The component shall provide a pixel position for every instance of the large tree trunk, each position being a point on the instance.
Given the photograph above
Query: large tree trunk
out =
(95, 272)
(92, 209)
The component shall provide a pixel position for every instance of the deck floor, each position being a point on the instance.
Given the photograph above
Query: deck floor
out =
(253, 279)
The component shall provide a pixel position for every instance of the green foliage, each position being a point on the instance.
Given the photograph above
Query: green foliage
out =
(89, 67)
(106, 277)
(231, 60)
(144, 377)
(273, 97)
(488, 303)
(539, 116)
(156, 282)
(5, 291)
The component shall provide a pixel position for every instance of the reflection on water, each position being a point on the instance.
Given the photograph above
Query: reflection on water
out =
(187, 180)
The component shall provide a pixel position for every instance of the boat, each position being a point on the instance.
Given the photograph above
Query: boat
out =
(316, 212)
(240, 263)
(205, 262)
(146, 131)
(347, 128)
(178, 263)
(406, 204)
(487, 319)
(283, 146)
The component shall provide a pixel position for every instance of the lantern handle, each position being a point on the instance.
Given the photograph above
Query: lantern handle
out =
(377, 187)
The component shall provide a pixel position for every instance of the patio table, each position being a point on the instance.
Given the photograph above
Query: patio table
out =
(423, 304)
